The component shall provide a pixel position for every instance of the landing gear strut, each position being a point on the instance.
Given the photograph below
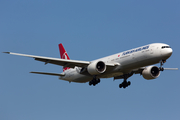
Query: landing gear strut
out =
(94, 81)
(161, 64)
(125, 84)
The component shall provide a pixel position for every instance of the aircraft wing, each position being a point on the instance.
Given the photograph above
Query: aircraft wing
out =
(58, 61)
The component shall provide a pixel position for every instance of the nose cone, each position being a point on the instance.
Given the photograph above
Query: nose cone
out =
(167, 52)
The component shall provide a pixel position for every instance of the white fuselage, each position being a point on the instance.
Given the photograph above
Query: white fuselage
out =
(127, 61)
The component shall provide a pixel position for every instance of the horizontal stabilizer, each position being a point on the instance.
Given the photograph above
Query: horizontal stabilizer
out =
(54, 74)
(170, 68)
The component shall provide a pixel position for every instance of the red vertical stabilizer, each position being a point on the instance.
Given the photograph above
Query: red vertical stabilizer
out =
(63, 55)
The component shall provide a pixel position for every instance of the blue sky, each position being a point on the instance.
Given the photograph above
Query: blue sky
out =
(88, 30)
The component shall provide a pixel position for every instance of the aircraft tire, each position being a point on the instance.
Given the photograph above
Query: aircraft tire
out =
(90, 83)
(124, 86)
(120, 85)
(98, 81)
(129, 83)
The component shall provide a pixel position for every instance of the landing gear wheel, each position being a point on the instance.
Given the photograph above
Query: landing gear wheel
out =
(90, 83)
(129, 83)
(120, 85)
(124, 84)
(94, 82)
(98, 81)
(161, 68)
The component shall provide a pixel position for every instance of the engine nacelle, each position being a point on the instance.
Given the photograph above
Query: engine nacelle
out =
(96, 68)
(151, 72)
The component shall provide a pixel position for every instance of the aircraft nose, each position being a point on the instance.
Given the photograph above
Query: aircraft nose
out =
(168, 52)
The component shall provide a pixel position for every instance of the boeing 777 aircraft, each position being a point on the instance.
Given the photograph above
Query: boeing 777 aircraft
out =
(119, 66)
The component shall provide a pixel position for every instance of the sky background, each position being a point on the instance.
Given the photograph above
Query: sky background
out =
(88, 30)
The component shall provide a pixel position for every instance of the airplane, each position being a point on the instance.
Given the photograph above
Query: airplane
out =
(119, 66)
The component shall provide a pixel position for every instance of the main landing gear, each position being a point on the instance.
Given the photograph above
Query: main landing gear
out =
(125, 83)
(94, 81)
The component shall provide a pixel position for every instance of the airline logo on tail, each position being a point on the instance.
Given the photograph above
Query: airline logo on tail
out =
(63, 55)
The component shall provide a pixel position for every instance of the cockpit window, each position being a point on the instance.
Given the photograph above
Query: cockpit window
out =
(165, 47)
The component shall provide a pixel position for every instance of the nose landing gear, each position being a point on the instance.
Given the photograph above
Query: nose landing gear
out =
(161, 64)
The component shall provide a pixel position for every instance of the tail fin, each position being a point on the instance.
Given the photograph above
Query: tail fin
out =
(63, 55)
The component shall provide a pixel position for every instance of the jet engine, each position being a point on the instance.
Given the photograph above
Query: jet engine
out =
(96, 68)
(151, 72)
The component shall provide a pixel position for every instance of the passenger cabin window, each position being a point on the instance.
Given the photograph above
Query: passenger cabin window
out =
(165, 47)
